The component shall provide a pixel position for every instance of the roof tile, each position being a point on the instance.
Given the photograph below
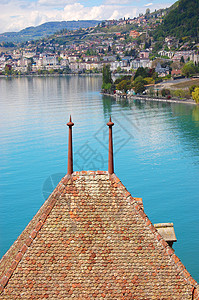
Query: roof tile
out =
(93, 241)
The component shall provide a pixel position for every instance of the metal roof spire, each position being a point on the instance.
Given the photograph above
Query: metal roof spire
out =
(70, 147)
(110, 152)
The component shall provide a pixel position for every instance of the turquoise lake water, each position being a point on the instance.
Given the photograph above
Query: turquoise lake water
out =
(156, 148)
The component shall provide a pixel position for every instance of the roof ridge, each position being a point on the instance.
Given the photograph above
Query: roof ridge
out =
(169, 251)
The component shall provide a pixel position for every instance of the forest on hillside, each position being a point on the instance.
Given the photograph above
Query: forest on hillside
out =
(181, 22)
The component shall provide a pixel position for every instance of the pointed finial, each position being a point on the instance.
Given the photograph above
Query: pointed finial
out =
(110, 123)
(70, 147)
(70, 123)
(110, 152)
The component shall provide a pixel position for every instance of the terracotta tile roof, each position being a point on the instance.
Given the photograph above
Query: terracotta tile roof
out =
(92, 240)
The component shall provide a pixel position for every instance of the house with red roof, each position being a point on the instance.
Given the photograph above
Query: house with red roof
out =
(134, 34)
(176, 72)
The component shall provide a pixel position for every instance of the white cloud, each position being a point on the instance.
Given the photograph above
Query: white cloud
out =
(115, 15)
(55, 3)
(118, 2)
(18, 14)
(149, 4)
(102, 12)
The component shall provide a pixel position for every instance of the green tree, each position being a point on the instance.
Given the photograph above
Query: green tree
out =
(182, 59)
(139, 79)
(165, 92)
(119, 70)
(166, 48)
(189, 69)
(118, 57)
(125, 77)
(148, 11)
(192, 88)
(151, 91)
(149, 80)
(180, 93)
(181, 21)
(139, 87)
(141, 72)
(195, 95)
(124, 85)
(59, 59)
(8, 69)
(106, 87)
(29, 67)
(106, 74)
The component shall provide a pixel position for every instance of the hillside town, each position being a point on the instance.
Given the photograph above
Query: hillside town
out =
(125, 44)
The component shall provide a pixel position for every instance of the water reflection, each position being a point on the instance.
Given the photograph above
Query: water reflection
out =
(107, 102)
(195, 115)
(178, 117)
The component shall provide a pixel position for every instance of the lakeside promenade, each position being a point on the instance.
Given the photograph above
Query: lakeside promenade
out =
(148, 98)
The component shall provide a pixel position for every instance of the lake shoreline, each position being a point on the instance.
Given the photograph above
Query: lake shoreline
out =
(147, 98)
(47, 75)
(131, 97)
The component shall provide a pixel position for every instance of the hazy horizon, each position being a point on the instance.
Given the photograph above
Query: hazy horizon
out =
(19, 14)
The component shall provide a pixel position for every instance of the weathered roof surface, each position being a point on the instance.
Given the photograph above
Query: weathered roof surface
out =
(92, 240)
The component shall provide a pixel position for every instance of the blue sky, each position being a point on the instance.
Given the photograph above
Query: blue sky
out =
(18, 14)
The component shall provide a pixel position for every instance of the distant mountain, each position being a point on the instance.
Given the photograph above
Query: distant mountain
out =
(181, 21)
(34, 33)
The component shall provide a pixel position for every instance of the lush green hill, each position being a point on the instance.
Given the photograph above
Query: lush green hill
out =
(182, 21)
(33, 33)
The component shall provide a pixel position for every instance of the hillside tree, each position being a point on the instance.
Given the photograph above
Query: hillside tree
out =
(189, 69)
(195, 95)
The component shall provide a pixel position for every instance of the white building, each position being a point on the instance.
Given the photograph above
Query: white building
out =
(47, 62)
(166, 53)
(141, 62)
